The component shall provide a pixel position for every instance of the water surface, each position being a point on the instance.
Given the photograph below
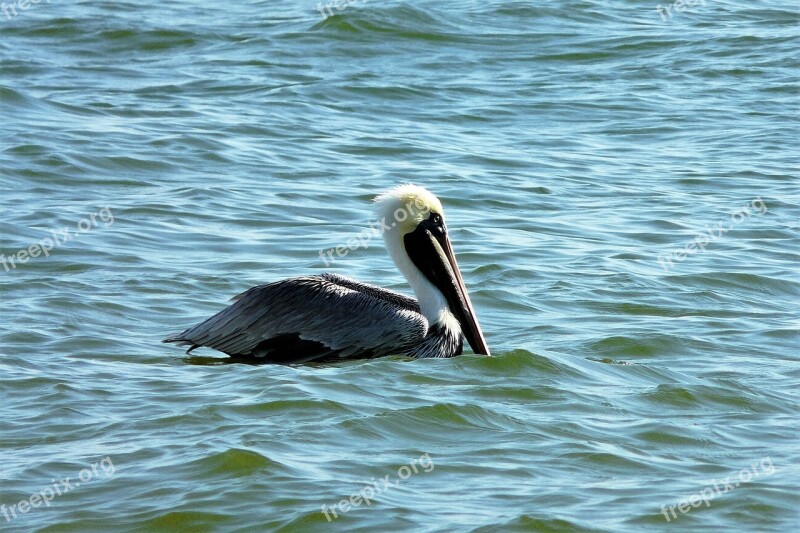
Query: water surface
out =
(573, 144)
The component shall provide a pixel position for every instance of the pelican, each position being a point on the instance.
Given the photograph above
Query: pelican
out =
(331, 317)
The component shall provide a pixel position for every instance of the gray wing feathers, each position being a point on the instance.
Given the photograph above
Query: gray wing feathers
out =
(348, 318)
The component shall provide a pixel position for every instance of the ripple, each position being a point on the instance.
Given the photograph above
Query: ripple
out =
(233, 462)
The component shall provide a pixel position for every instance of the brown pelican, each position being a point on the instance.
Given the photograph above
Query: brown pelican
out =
(331, 317)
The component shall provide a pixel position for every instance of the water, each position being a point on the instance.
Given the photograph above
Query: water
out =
(573, 144)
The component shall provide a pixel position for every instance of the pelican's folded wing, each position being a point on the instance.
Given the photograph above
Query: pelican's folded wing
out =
(311, 318)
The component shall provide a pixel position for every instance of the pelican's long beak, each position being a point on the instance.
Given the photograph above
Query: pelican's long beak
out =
(429, 249)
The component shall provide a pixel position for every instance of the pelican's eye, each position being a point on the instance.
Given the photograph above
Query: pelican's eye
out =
(436, 224)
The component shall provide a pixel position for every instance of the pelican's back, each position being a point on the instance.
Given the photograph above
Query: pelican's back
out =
(311, 318)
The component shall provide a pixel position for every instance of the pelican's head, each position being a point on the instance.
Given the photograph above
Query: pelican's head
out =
(413, 226)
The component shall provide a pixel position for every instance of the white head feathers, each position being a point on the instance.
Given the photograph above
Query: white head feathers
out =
(405, 206)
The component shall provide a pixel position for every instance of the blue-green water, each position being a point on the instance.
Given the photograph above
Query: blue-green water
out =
(573, 144)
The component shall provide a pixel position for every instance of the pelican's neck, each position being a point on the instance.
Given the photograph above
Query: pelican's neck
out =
(432, 303)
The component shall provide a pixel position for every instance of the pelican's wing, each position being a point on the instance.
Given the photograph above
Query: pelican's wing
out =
(311, 318)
